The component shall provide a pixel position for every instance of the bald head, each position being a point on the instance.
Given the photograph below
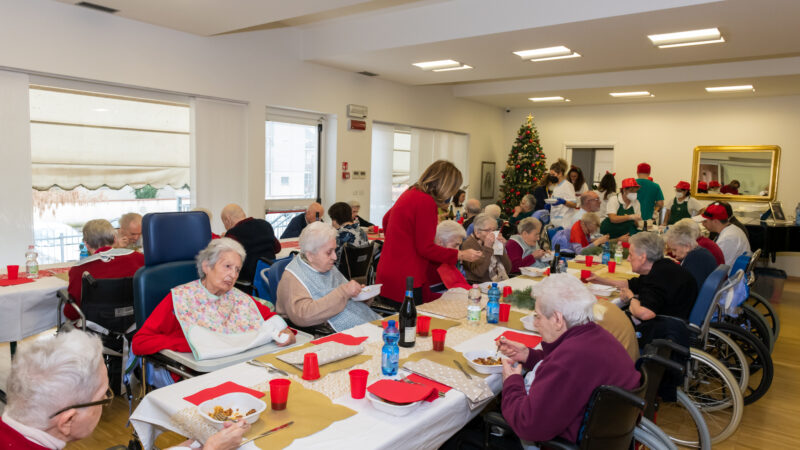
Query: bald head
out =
(472, 207)
(590, 201)
(231, 215)
(312, 211)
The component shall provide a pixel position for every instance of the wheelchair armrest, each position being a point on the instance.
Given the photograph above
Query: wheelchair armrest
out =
(676, 348)
(558, 444)
(658, 359)
(65, 298)
(496, 419)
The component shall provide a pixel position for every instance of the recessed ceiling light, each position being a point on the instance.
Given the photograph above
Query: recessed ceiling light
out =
(631, 94)
(434, 65)
(547, 54)
(549, 99)
(744, 87)
(101, 109)
(462, 67)
(685, 38)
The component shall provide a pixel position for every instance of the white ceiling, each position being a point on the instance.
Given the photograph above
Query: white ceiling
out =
(387, 36)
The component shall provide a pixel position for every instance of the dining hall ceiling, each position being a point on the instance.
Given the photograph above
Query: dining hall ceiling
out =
(762, 42)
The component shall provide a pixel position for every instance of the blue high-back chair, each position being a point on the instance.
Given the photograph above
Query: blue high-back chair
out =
(170, 243)
(271, 276)
(706, 295)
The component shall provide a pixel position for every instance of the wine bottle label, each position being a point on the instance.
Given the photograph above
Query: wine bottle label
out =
(410, 334)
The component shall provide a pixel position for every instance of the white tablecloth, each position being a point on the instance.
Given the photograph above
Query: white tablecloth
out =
(27, 309)
(425, 428)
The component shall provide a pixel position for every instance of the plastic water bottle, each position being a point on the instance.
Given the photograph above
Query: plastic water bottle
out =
(390, 355)
(618, 253)
(562, 266)
(84, 251)
(31, 263)
(606, 254)
(493, 307)
(474, 305)
(458, 216)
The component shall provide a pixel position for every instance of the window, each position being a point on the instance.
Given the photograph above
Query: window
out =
(401, 164)
(292, 156)
(99, 156)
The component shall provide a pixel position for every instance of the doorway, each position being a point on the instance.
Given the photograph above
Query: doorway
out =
(593, 162)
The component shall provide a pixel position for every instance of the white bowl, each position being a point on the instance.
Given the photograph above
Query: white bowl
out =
(582, 258)
(236, 401)
(533, 271)
(480, 368)
(527, 322)
(601, 289)
(389, 408)
(368, 292)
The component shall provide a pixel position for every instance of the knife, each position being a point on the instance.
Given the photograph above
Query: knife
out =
(269, 367)
(267, 433)
(461, 368)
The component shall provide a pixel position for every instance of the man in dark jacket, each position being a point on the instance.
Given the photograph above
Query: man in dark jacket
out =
(255, 235)
(313, 213)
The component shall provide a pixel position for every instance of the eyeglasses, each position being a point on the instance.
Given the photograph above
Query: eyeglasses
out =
(107, 399)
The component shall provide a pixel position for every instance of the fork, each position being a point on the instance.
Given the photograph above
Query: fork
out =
(438, 392)
(269, 368)
(461, 368)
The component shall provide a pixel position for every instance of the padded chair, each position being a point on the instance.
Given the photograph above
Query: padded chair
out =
(356, 261)
(551, 232)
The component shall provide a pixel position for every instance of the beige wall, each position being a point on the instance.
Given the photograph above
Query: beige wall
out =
(665, 134)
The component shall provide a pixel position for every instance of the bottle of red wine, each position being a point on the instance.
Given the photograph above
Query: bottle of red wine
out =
(556, 258)
(408, 317)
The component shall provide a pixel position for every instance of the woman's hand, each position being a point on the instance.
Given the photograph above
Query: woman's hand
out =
(469, 255)
(352, 288)
(624, 237)
(229, 437)
(291, 340)
(514, 351)
(488, 239)
(538, 254)
(517, 210)
(501, 238)
(510, 368)
(601, 240)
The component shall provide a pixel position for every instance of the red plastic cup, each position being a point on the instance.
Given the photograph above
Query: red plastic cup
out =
(438, 339)
(310, 366)
(279, 393)
(358, 383)
(612, 266)
(547, 272)
(506, 291)
(423, 325)
(505, 310)
(13, 271)
(375, 229)
(585, 274)
(589, 259)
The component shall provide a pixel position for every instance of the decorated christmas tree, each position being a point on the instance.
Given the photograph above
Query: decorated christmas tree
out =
(524, 168)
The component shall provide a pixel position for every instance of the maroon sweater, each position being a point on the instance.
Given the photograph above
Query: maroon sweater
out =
(583, 358)
(12, 439)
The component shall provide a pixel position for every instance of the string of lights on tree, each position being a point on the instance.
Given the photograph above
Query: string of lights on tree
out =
(525, 167)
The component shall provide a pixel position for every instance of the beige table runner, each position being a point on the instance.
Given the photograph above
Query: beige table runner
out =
(476, 389)
(325, 369)
(436, 323)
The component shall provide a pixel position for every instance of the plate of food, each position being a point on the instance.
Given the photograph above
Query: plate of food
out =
(484, 361)
(233, 406)
(527, 322)
(368, 292)
(533, 271)
(395, 409)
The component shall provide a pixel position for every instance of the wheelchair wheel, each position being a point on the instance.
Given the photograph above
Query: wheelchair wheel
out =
(758, 357)
(751, 320)
(683, 422)
(724, 349)
(767, 312)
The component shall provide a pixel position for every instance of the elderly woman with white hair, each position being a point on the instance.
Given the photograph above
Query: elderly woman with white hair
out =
(358, 220)
(56, 392)
(577, 356)
(682, 242)
(523, 210)
(208, 317)
(312, 291)
(494, 264)
(449, 234)
(523, 248)
(582, 235)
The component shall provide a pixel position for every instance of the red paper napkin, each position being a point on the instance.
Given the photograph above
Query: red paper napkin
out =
(529, 340)
(341, 338)
(290, 244)
(222, 389)
(428, 382)
(400, 392)
(8, 282)
(452, 277)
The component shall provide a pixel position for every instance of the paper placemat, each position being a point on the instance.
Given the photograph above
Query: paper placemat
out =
(617, 275)
(476, 389)
(444, 358)
(436, 323)
(452, 304)
(342, 364)
(327, 352)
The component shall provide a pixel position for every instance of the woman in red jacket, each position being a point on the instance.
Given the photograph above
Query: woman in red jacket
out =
(410, 227)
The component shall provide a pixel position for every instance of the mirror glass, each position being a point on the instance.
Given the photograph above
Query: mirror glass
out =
(747, 173)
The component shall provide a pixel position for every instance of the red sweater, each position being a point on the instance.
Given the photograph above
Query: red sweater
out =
(712, 246)
(12, 439)
(162, 331)
(577, 235)
(119, 267)
(410, 226)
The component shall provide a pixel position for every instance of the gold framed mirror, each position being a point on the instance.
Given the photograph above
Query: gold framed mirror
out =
(747, 173)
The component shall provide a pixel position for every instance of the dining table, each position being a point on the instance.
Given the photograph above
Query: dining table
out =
(289, 245)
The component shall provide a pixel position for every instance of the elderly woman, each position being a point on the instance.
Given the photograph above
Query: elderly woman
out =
(682, 241)
(347, 231)
(56, 390)
(523, 248)
(577, 356)
(312, 291)
(524, 210)
(356, 207)
(581, 235)
(449, 234)
(208, 316)
(494, 264)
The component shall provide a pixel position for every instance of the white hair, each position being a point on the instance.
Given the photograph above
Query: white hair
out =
(566, 294)
(528, 199)
(129, 218)
(648, 243)
(684, 232)
(449, 231)
(314, 236)
(51, 374)
(482, 222)
(214, 250)
(493, 210)
(528, 224)
(98, 233)
(354, 204)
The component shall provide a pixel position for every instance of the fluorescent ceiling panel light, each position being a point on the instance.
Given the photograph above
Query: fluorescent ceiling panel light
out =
(441, 64)
(686, 38)
(573, 55)
(548, 52)
(744, 87)
(549, 99)
(631, 94)
(463, 67)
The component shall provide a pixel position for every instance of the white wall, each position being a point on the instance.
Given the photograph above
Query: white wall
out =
(665, 134)
(260, 68)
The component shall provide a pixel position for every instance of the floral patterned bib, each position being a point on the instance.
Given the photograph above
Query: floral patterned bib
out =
(232, 312)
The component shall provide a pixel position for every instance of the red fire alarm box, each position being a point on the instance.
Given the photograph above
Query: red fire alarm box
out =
(358, 125)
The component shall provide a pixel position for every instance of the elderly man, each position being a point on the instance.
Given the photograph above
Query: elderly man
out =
(582, 235)
(663, 287)
(590, 202)
(104, 262)
(255, 235)
(312, 214)
(577, 356)
(358, 220)
(130, 231)
(731, 239)
(56, 390)
(472, 208)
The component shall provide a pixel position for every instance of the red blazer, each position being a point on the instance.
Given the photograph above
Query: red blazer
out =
(119, 267)
(577, 235)
(410, 226)
(162, 331)
(12, 439)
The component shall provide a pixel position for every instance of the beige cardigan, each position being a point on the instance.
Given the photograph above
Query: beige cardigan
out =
(478, 271)
(295, 302)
